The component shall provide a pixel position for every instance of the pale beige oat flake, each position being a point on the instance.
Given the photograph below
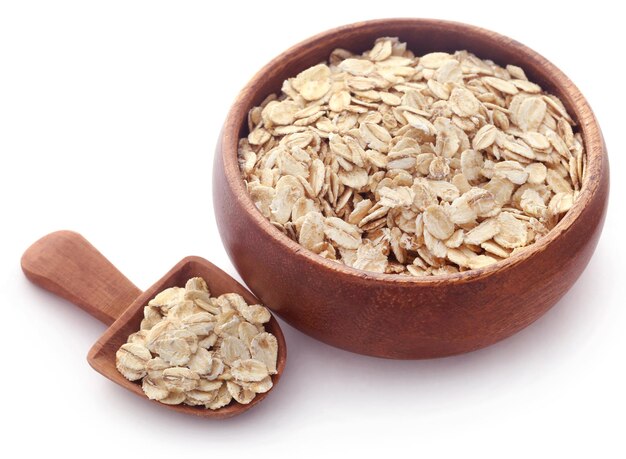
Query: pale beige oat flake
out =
(190, 343)
(394, 163)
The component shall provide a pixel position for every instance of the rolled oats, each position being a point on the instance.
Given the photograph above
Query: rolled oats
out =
(241, 395)
(131, 360)
(394, 163)
(200, 350)
(222, 398)
(154, 388)
(248, 370)
(264, 348)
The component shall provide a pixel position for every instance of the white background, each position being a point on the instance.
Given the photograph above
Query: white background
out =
(109, 113)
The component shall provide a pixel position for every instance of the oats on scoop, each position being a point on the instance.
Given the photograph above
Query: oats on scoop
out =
(200, 350)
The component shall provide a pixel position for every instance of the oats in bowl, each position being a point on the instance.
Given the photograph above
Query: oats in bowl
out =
(393, 163)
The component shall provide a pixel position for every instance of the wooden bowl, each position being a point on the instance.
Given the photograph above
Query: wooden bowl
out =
(396, 316)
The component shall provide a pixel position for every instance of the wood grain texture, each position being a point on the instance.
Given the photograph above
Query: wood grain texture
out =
(67, 265)
(400, 316)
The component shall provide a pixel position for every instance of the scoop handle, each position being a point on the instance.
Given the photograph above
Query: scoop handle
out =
(66, 264)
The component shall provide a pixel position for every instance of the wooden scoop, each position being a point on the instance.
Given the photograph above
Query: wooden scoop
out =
(66, 264)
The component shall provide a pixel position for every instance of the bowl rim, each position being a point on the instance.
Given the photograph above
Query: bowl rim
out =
(590, 131)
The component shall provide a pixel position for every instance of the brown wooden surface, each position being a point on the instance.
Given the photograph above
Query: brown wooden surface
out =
(67, 265)
(399, 316)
